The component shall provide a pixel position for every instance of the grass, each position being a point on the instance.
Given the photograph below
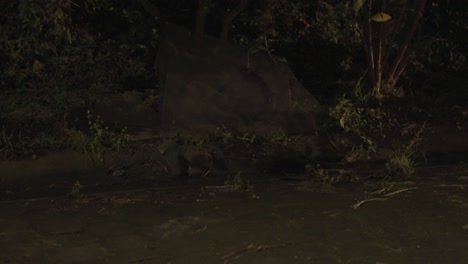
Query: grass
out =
(237, 183)
(401, 165)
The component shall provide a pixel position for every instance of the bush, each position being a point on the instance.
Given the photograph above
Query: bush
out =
(59, 57)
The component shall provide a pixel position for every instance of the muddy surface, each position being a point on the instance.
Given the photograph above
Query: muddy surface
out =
(424, 220)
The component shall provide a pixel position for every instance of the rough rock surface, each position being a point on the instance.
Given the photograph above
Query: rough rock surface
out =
(215, 85)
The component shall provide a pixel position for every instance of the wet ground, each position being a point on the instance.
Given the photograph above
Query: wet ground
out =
(424, 220)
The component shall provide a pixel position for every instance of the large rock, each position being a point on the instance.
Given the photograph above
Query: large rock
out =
(213, 85)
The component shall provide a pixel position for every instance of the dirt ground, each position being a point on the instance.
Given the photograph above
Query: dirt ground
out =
(424, 220)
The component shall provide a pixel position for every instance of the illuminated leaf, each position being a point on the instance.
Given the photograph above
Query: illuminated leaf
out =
(381, 17)
(358, 4)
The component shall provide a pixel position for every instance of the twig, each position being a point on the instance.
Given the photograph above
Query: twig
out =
(380, 192)
(358, 204)
(206, 173)
(383, 190)
(239, 253)
(236, 254)
(399, 191)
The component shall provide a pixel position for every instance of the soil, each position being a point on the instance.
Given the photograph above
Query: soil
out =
(272, 220)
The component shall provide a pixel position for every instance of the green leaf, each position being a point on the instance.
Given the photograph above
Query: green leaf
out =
(358, 4)
(381, 17)
(59, 14)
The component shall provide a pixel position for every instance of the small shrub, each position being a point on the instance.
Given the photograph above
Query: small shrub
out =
(323, 176)
(76, 190)
(401, 165)
(373, 124)
(236, 183)
(99, 139)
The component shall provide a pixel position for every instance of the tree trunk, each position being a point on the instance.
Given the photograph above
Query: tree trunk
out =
(379, 37)
(401, 61)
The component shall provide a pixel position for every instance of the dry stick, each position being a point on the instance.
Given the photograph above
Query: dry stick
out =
(206, 173)
(236, 254)
(358, 204)
(399, 191)
(383, 190)
(239, 253)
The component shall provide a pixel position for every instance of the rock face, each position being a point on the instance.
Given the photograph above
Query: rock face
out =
(206, 84)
